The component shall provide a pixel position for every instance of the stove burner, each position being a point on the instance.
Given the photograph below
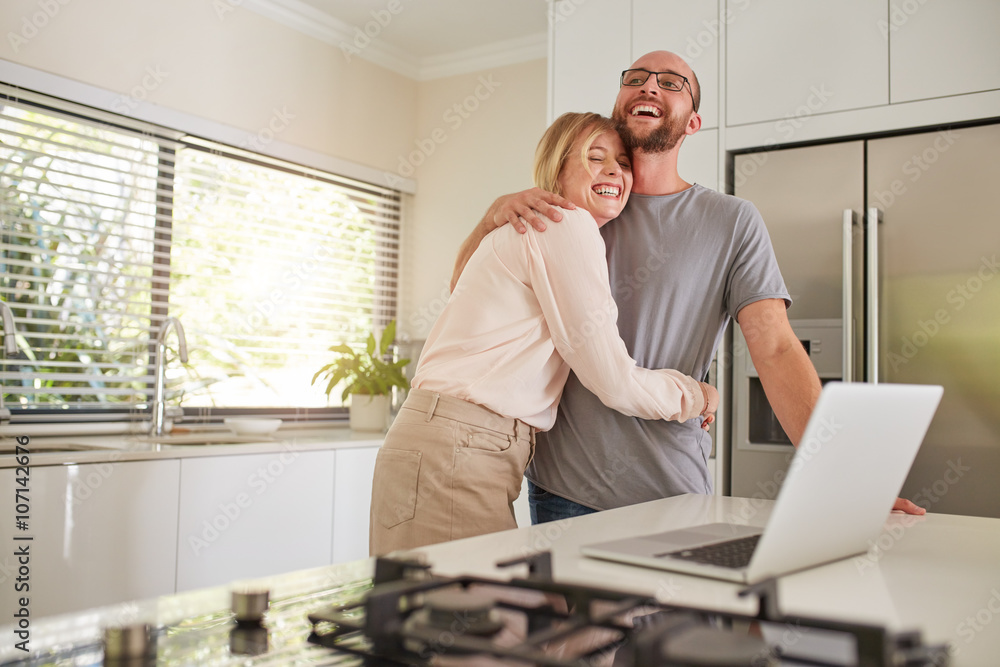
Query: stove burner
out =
(412, 617)
(473, 613)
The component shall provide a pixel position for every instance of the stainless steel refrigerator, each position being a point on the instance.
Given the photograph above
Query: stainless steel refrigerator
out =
(898, 238)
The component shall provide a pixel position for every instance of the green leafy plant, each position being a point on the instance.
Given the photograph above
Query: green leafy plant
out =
(366, 372)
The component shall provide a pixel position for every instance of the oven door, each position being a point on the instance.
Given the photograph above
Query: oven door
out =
(761, 451)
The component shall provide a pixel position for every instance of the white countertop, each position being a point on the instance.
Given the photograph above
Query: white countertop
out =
(135, 447)
(938, 573)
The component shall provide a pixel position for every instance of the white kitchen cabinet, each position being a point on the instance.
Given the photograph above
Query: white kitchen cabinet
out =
(352, 497)
(690, 29)
(942, 48)
(698, 160)
(252, 516)
(103, 533)
(788, 59)
(591, 45)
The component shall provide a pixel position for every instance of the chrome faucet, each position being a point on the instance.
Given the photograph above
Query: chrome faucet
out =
(159, 409)
(9, 349)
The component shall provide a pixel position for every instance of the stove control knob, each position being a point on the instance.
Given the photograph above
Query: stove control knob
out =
(128, 645)
(250, 605)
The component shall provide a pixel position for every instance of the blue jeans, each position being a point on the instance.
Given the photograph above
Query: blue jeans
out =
(547, 506)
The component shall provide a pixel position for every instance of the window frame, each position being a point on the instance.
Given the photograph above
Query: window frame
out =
(161, 267)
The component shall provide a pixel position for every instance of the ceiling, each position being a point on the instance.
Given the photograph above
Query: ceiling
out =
(422, 39)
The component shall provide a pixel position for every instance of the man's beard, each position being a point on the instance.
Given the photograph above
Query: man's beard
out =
(660, 139)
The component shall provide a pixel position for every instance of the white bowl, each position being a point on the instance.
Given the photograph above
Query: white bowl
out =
(252, 425)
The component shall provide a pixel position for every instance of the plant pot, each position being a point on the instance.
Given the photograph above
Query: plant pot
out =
(369, 413)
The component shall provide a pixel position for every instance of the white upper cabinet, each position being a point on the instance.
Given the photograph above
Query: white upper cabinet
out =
(591, 46)
(698, 161)
(943, 48)
(690, 29)
(787, 59)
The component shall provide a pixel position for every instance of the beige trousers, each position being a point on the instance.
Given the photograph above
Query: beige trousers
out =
(448, 469)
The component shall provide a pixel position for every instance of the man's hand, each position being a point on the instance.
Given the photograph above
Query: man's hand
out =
(524, 207)
(907, 507)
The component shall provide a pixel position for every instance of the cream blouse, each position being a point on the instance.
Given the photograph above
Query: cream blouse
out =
(527, 309)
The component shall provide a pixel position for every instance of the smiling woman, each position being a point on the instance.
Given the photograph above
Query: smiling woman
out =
(111, 225)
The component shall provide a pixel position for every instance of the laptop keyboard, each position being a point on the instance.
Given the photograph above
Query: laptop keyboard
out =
(733, 554)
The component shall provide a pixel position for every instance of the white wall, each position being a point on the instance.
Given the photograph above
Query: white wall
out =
(473, 155)
(226, 65)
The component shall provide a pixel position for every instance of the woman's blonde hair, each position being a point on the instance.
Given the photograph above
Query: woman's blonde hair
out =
(557, 142)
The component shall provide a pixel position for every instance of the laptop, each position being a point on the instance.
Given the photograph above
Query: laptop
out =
(847, 471)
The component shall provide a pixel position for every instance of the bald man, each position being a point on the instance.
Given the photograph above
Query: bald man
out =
(683, 261)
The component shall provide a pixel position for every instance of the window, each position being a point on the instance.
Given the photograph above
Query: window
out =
(109, 226)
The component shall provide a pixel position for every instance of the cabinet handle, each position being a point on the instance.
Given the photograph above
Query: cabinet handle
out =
(872, 279)
(848, 305)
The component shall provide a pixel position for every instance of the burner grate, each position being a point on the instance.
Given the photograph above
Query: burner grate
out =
(414, 618)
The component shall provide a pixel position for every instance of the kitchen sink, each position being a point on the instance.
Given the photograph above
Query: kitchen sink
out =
(50, 448)
(204, 438)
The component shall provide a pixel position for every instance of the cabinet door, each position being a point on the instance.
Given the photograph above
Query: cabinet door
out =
(253, 516)
(690, 29)
(698, 161)
(591, 46)
(352, 493)
(103, 533)
(942, 48)
(788, 59)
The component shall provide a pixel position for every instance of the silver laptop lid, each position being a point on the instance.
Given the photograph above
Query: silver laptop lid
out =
(846, 474)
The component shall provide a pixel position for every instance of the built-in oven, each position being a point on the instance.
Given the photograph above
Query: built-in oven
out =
(760, 449)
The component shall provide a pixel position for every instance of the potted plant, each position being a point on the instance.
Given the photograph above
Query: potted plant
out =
(368, 379)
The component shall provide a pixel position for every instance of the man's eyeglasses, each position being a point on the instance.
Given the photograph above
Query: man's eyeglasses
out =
(671, 81)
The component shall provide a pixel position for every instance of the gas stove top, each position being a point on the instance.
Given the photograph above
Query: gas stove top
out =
(407, 615)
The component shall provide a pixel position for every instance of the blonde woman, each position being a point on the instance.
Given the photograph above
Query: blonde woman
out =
(527, 309)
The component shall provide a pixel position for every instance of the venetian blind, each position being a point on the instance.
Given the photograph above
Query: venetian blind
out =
(109, 226)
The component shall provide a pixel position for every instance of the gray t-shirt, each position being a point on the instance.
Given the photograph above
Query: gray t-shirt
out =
(681, 266)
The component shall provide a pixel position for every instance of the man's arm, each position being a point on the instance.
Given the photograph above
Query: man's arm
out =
(786, 373)
(517, 209)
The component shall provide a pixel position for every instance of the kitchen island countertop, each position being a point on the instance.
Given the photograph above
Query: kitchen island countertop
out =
(137, 447)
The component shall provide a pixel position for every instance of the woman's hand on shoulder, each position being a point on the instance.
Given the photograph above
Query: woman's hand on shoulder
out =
(523, 208)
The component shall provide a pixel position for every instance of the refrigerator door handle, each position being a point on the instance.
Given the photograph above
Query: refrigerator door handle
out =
(848, 292)
(872, 281)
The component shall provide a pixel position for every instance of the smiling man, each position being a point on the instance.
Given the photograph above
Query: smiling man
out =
(683, 260)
